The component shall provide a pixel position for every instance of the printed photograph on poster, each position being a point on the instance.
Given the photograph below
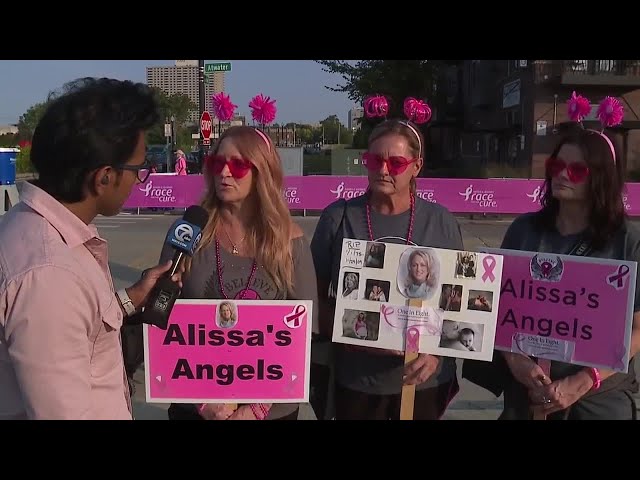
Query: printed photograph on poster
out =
(377, 290)
(480, 300)
(568, 308)
(374, 255)
(361, 325)
(222, 351)
(466, 264)
(350, 285)
(418, 273)
(463, 336)
(449, 296)
(227, 315)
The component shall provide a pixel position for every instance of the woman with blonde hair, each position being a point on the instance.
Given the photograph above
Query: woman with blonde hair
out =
(250, 249)
(421, 278)
(226, 315)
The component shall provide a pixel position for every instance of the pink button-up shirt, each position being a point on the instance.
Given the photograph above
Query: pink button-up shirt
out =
(60, 350)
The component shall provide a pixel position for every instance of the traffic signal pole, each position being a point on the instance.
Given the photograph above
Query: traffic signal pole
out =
(201, 94)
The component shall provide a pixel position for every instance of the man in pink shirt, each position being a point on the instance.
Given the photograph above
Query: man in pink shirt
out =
(60, 318)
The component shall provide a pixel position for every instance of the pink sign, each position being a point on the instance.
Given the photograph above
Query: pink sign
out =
(572, 309)
(459, 195)
(243, 351)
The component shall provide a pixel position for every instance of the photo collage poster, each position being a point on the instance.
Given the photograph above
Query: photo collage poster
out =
(451, 297)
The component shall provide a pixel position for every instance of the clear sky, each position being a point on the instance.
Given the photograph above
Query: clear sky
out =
(297, 85)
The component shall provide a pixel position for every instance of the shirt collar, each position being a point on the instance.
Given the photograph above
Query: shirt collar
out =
(73, 230)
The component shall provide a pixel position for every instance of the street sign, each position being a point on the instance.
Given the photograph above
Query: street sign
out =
(206, 142)
(217, 67)
(205, 126)
(167, 129)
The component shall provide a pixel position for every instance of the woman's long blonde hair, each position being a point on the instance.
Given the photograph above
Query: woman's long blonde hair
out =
(270, 237)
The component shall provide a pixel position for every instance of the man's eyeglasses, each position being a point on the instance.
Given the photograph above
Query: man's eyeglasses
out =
(142, 171)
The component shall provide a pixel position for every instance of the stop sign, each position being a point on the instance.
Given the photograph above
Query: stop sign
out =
(205, 125)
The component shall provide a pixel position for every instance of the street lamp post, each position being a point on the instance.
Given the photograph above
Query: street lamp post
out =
(174, 134)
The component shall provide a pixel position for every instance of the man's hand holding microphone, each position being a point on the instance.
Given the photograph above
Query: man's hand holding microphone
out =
(160, 286)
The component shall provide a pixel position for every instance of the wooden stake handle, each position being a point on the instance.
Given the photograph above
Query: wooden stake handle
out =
(408, 391)
(411, 350)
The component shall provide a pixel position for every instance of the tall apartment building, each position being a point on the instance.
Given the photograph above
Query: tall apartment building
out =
(183, 79)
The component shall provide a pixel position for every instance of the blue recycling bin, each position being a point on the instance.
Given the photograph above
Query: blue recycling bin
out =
(8, 157)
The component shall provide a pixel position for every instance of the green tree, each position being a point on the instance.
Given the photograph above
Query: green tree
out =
(9, 140)
(335, 132)
(396, 79)
(360, 138)
(23, 160)
(304, 134)
(29, 120)
(179, 106)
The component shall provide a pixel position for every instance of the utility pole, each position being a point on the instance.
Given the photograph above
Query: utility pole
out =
(201, 90)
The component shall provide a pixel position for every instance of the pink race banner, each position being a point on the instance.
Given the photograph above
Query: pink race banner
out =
(572, 309)
(230, 351)
(492, 196)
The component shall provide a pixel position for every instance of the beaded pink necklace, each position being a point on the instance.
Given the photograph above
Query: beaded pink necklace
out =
(254, 267)
(411, 218)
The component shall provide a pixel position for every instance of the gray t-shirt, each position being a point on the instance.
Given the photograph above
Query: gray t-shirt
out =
(525, 234)
(202, 283)
(434, 227)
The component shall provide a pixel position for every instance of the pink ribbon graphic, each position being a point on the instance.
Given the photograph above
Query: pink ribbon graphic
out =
(293, 320)
(489, 263)
(618, 277)
(412, 342)
(618, 358)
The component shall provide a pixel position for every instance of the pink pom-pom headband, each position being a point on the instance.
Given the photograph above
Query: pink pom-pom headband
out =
(223, 109)
(610, 113)
(263, 111)
(415, 110)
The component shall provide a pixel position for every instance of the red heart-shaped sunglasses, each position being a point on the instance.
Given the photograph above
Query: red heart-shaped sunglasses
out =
(576, 171)
(238, 167)
(395, 164)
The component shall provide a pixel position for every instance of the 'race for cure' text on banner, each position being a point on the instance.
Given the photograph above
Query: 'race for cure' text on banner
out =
(240, 351)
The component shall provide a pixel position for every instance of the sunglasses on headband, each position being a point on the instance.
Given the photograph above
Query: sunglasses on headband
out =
(238, 167)
(395, 165)
(576, 171)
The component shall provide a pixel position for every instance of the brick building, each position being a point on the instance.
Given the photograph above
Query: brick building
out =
(508, 112)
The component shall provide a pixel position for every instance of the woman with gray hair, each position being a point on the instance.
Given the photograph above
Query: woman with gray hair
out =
(368, 381)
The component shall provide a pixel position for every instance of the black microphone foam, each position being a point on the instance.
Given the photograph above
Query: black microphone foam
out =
(183, 237)
(196, 215)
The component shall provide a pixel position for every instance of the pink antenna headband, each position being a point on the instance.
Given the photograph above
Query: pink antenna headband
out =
(263, 111)
(415, 110)
(610, 113)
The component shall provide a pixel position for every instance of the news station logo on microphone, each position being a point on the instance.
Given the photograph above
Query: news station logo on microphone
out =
(186, 237)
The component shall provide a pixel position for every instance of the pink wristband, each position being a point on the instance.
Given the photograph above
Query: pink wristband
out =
(595, 376)
(201, 407)
(258, 411)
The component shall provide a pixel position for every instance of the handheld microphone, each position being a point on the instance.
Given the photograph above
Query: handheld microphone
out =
(184, 237)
